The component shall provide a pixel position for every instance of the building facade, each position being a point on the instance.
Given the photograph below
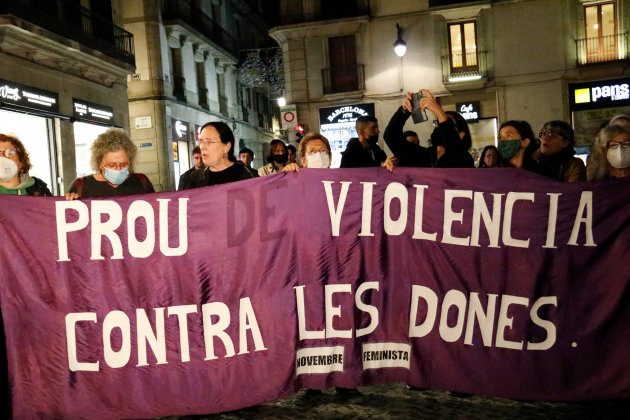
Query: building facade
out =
(188, 56)
(63, 80)
(492, 61)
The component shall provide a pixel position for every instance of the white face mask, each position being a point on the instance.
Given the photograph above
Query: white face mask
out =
(8, 169)
(619, 158)
(318, 160)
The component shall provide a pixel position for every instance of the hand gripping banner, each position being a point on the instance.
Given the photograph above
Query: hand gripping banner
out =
(494, 282)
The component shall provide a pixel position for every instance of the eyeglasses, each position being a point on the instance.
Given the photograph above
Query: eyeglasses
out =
(117, 166)
(8, 152)
(312, 152)
(208, 142)
(549, 133)
(615, 144)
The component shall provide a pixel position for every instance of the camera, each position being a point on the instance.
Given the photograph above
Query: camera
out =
(417, 114)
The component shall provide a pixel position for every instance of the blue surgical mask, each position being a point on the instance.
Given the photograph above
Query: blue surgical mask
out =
(116, 177)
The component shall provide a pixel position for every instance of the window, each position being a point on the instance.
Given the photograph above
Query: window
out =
(601, 32)
(462, 42)
(343, 74)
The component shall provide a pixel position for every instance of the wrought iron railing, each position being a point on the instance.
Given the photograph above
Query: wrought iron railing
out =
(464, 66)
(601, 49)
(179, 88)
(185, 11)
(341, 80)
(70, 20)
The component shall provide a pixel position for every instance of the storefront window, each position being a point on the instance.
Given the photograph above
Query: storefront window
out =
(84, 136)
(33, 132)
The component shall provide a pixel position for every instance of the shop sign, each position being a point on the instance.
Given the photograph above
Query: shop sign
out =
(179, 129)
(471, 111)
(92, 112)
(344, 113)
(599, 94)
(28, 97)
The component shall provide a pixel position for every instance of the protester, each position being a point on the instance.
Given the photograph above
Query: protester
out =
(556, 155)
(246, 156)
(490, 158)
(620, 119)
(450, 139)
(315, 153)
(113, 158)
(14, 167)
(363, 151)
(277, 158)
(184, 179)
(610, 154)
(292, 154)
(412, 137)
(517, 144)
(216, 141)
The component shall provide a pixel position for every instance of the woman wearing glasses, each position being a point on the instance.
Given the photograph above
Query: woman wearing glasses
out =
(556, 156)
(216, 141)
(14, 167)
(113, 157)
(610, 154)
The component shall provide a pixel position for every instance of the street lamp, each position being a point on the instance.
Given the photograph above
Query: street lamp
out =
(400, 46)
(281, 101)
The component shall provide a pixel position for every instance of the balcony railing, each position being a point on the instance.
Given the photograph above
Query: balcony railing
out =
(460, 67)
(602, 49)
(341, 80)
(203, 98)
(186, 12)
(179, 88)
(71, 20)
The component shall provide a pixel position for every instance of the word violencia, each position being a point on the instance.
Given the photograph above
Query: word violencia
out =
(427, 314)
(497, 219)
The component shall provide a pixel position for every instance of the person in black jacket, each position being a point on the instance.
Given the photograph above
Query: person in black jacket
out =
(185, 178)
(450, 140)
(364, 152)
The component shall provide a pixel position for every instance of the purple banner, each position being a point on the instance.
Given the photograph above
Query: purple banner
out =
(494, 282)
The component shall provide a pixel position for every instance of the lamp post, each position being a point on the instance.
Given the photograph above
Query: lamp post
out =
(400, 46)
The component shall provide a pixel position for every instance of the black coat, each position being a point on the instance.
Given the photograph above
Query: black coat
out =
(356, 156)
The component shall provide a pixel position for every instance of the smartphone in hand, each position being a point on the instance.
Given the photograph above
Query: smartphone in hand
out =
(417, 114)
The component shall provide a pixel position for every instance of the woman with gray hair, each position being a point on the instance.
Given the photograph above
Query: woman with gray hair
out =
(113, 156)
(610, 154)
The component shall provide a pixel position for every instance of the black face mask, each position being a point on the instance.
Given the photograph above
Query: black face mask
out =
(373, 140)
(280, 159)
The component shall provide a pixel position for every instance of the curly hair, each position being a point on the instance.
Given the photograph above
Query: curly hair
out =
(597, 166)
(112, 140)
(20, 150)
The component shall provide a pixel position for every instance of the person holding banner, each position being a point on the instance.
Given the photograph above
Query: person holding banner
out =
(517, 144)
(113, 158)
(14, 168)
(315, 153)
(277, 158)
(216, 141)
(556, 155)
(610, 154)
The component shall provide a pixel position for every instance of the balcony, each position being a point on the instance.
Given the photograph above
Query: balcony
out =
(602, 49)
(298, 11)
(203, 98)
(179, 88)
(464, 67)
(340, 80)
(72, 21)
(183, 11)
